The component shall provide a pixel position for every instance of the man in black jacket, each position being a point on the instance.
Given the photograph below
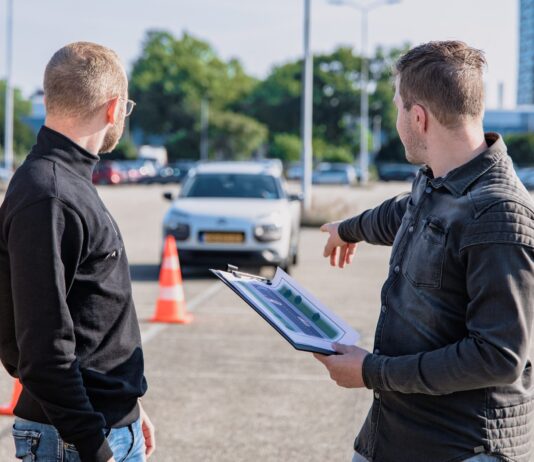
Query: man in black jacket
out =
(450, 369)
(68, 327)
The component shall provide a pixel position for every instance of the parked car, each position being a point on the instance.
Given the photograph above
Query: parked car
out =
(235, 213)
(334, 173)
(295, 171)
(108, 172)
(397, 171)
(172, 173)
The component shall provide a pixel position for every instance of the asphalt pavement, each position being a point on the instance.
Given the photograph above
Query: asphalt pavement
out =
(227, 387)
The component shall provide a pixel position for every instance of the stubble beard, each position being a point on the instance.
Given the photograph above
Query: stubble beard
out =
(414, 147)
(112, 137)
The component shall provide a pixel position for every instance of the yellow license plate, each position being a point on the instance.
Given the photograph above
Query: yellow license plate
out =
(226, 238)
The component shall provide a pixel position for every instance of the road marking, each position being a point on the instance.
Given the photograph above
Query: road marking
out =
(147, 336)
(155, 329)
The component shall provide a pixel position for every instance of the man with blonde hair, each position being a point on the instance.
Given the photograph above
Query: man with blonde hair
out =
(451, 369)
(68, 327)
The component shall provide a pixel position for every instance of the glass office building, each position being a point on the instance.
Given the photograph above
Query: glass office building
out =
(525, 84)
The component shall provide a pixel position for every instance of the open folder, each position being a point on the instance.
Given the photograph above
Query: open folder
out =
(291, 310)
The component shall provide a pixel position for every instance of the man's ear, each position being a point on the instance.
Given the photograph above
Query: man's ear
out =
(112, 111)
(420, 118)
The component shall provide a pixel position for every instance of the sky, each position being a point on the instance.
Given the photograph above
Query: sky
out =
(260, 34)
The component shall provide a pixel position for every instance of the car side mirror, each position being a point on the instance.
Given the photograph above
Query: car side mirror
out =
(296, 197)
(168, 196)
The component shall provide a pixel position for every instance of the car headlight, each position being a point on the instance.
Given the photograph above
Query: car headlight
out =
(268, 232)
(176, 224)
(269, 227)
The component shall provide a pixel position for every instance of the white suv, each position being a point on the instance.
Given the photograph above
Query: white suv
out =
(235, 213)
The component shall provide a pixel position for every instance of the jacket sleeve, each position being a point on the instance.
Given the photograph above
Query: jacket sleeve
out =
(500, 287)
(45, 242)
(378, 225)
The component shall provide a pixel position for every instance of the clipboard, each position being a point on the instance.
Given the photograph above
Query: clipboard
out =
(300, 318)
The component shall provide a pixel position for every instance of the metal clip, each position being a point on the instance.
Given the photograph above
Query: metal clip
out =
(235, 271)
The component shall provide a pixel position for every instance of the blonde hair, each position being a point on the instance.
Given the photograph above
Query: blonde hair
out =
(80, 78)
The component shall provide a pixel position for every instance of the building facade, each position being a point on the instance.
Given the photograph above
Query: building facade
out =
(525, 83)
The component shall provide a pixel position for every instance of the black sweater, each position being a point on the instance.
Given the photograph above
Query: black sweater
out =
(68, 327)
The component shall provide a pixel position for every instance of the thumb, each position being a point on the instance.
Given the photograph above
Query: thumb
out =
(325, 228)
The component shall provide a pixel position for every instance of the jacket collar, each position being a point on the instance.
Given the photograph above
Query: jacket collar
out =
(58, 148)
(457, 181)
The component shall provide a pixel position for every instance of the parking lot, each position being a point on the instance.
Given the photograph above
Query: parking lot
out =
(227, 387)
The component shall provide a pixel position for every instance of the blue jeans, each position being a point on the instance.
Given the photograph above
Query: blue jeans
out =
(479, 458)
(36, 442)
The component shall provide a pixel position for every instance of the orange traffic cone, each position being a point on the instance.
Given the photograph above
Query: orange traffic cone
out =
(170, 306)
(8, 408)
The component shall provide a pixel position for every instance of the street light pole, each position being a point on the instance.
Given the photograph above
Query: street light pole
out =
(364, 79)
(9, 103)
(364, 105)
(204, 123)
(306, 112)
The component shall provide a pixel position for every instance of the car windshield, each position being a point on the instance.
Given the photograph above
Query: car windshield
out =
(232, 185)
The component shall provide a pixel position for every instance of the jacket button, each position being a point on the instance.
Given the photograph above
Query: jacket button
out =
(377, 395)
(396, 269)
(383, 308)
(410, 229)
(428, 190)
(377, 351)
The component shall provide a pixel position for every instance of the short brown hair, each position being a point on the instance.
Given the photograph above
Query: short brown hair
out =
(446, 77)
(80, 78)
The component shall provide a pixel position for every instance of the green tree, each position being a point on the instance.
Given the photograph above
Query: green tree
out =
(336, 96)
(286, 147)
(125, 150)
(326, 152)
(168, 82)
(393, 151)
(521, 148)
(23, 137)
(235, 136)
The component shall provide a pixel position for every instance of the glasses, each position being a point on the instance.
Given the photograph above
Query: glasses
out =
(130, 104)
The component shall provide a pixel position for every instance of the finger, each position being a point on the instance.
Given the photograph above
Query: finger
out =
(321, 358)
(325, 228)
(351, 250)
(340, 348)
(328, 248)
(150, 450)
(150, 443)
(333, 256)
(342, 256)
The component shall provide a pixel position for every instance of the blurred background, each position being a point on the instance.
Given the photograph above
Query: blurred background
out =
(223, 79)
(255, 123)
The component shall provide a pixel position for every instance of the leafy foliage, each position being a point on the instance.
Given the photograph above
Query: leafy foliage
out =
(168, 82)
(173, 75)
(393, 151)
(23, 137)
(521, 148)
(286, 147)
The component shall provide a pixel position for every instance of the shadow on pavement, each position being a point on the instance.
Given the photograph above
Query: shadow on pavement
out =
(142, 272)
(150, 272)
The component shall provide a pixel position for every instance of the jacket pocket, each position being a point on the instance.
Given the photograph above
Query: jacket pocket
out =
(26, 443)
(425, 262)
